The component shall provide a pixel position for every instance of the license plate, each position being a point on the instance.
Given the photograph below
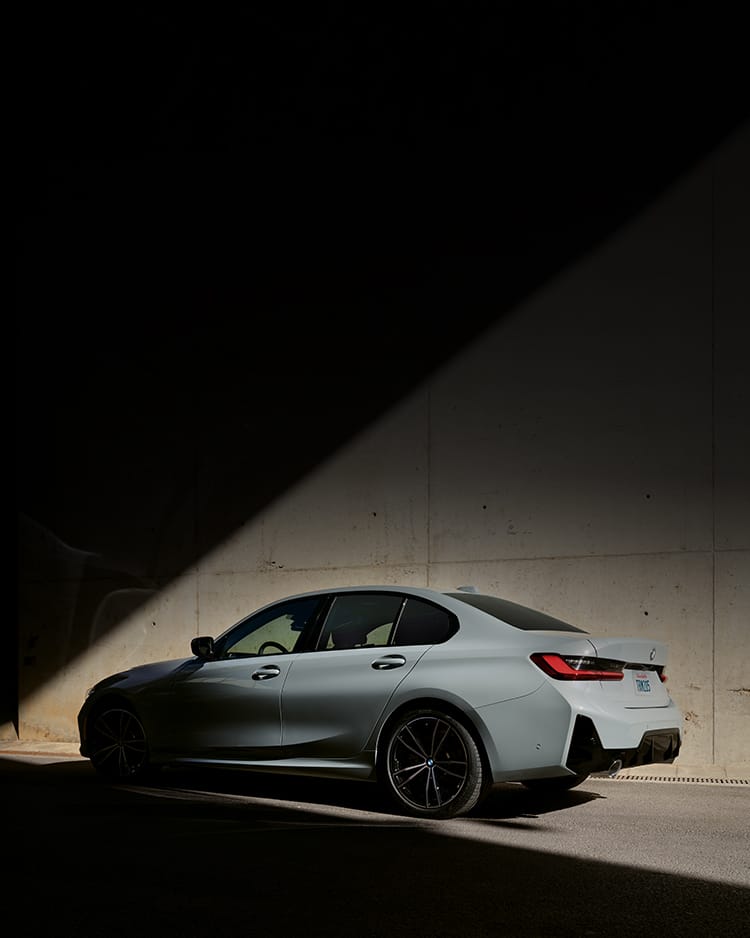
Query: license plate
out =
(642, 681)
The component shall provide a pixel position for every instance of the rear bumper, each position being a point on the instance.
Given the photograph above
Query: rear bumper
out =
(586, 753)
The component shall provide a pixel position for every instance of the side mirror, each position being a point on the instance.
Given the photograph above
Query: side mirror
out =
(203, 647)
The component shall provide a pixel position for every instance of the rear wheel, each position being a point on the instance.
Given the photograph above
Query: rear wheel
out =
(117, 744)
(551, 785)
(431, 766)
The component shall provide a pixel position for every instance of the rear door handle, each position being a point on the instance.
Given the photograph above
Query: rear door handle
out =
(388, 661)
(262, 674)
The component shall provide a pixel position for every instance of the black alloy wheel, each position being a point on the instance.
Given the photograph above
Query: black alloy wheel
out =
(117, 744)
(432, 766)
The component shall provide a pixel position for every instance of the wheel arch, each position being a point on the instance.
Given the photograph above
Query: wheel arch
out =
(109, 700)
(448, 707)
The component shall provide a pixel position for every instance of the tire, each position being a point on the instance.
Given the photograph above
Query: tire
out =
(551, 785)
(431, 766)
(117, 744)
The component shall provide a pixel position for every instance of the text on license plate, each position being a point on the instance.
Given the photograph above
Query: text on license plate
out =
(642, 681)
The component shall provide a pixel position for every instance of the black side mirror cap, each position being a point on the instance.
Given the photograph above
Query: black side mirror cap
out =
(203, 647)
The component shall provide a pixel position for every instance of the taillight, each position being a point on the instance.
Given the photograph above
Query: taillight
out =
(578, 667)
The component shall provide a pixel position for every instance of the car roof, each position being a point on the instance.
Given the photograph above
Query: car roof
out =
(465, 601)
(425, 592)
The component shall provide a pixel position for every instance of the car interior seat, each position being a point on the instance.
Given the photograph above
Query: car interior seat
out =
(349, 635)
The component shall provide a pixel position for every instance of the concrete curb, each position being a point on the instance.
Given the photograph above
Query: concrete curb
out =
(735, 771)
(36, 747)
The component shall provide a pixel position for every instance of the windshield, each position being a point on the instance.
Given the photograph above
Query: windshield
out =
(520, 617)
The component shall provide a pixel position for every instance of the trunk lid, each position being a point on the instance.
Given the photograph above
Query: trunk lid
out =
(641, 685)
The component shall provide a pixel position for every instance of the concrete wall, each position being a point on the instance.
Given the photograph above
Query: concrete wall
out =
(588, 456)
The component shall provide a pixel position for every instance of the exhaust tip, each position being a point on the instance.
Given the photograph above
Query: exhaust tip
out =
(614, 768)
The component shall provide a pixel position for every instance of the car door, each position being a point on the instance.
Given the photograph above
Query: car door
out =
(333, 696)
(229, 708)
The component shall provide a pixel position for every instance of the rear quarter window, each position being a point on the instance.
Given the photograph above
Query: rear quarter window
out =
(421, 623)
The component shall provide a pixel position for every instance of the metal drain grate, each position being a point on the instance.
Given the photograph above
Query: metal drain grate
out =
(681, 778)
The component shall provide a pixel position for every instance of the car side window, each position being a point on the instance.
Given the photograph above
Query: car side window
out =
(360, 620)
(273, 631)
(421, 623)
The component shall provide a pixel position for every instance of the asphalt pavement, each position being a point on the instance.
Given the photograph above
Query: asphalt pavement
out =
(199, 854)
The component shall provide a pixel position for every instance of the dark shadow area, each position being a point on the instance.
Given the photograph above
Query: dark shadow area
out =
(182, 864)
(242, 237)
(504, 802)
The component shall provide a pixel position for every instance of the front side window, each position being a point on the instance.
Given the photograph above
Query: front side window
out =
(272, 631)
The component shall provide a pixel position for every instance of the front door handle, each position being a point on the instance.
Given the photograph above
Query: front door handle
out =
(262, 674)
(388, 661)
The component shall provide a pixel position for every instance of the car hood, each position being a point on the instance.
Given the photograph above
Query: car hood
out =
(142, 674)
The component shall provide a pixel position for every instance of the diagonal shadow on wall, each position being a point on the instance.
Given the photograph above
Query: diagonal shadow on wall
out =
(218, 286)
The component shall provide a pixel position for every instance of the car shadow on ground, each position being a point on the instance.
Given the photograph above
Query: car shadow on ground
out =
(505, 802)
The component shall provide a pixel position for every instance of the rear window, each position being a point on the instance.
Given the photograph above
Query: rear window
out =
(520, 617)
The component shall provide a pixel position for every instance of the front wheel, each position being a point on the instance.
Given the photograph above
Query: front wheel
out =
(117, 744)
(431, 767)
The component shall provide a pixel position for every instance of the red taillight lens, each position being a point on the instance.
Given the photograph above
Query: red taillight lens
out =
(578, 668)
